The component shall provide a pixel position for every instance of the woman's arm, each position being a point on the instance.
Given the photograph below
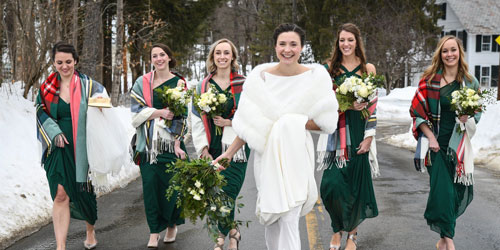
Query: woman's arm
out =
(235, 146)
(433, 143)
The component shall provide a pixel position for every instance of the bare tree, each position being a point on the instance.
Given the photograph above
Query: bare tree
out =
(91, 36)
(74, 22)
(117, 68)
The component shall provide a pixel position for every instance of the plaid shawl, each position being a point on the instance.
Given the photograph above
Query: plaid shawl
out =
(81, 88)
(425, 108)
(236, 83)
(338, 147)
(141, 98)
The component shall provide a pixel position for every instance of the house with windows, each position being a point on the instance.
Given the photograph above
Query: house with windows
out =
(477, 24)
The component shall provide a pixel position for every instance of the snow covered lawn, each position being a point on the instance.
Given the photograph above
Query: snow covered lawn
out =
(24, 193)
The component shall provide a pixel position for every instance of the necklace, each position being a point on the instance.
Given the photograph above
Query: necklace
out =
(446, 81)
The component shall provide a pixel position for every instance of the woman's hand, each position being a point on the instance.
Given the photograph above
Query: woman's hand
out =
(60, 140)
(225, 155)
(221, 122)
(178, 150)
(433, 144)
(167, 114)
(359, 106)
(364, 146)
(463, 118)
(206, 154)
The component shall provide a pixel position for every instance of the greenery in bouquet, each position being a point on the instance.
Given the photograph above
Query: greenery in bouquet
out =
(355, 89)
(211, 103)
(199, 187)
(467, 101)
(175, 99)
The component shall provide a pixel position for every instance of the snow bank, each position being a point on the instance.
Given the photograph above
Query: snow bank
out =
(25, 195)
(395, 106)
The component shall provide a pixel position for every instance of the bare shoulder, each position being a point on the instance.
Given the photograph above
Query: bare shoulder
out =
(370, 68)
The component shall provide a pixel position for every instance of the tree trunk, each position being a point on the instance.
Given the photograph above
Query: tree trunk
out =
(74, 22)
(107, 52)
(90, 50)
(125, 70)
(117, 69)
(10, 28)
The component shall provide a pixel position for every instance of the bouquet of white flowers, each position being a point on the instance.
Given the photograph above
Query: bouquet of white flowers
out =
(467, 101)
(175, 99)
(211, 103)
(358, 89)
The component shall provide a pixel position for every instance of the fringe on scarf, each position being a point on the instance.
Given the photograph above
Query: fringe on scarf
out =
(327, 159)
(100, 183)
(86, 186)
(460, 176)
(374, 170)
(239, 156)
(159, 146)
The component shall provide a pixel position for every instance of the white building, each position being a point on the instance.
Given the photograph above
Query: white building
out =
(477, 24)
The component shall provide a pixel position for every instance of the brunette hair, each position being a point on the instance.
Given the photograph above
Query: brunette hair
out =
(336, 60)
(167, 50)
(289, 27)
(65, 48)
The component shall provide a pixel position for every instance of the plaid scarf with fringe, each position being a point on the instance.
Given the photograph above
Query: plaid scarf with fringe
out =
(425, 108)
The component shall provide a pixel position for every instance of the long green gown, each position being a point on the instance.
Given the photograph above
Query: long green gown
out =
(60, 168)
(347, 192)
(160, 212)
(447, 200)
(235, 174)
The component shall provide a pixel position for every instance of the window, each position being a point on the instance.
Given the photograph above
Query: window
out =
(494, 75)
(485, 76)
(485, 45)
(442, 10)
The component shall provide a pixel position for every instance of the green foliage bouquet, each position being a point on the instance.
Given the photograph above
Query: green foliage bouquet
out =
(175, 99)
(211, 103)
(199, 186)
(358, 89)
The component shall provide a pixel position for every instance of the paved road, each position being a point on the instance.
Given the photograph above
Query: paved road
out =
(401, 195)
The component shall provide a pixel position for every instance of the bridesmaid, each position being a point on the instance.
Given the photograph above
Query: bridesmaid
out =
(433, 118)
(222, 68)
(346, 186)
(61, 128)
(148, 111)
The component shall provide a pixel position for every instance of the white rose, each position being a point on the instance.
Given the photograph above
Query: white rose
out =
(224, 209)
(363, 92)
(343, 89)
(197, 184)
(197, 197)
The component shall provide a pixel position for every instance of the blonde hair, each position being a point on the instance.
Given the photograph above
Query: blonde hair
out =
(437, 62)
(210, 64)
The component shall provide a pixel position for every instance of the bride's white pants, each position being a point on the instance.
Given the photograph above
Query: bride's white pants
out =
(284, 233)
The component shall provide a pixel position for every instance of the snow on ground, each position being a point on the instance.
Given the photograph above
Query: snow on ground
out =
(24, 195)
(486, 142)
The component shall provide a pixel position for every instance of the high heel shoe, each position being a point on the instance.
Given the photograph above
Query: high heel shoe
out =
(155, 243)
(172, 239)
(336, 247)
(237, 237)
(89, 246)
(353, 238)
(220, 246)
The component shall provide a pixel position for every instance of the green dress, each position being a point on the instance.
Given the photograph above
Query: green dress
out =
(347, 192)
(160, 212)
(235, 174)
(447, 200)
(60, 168)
